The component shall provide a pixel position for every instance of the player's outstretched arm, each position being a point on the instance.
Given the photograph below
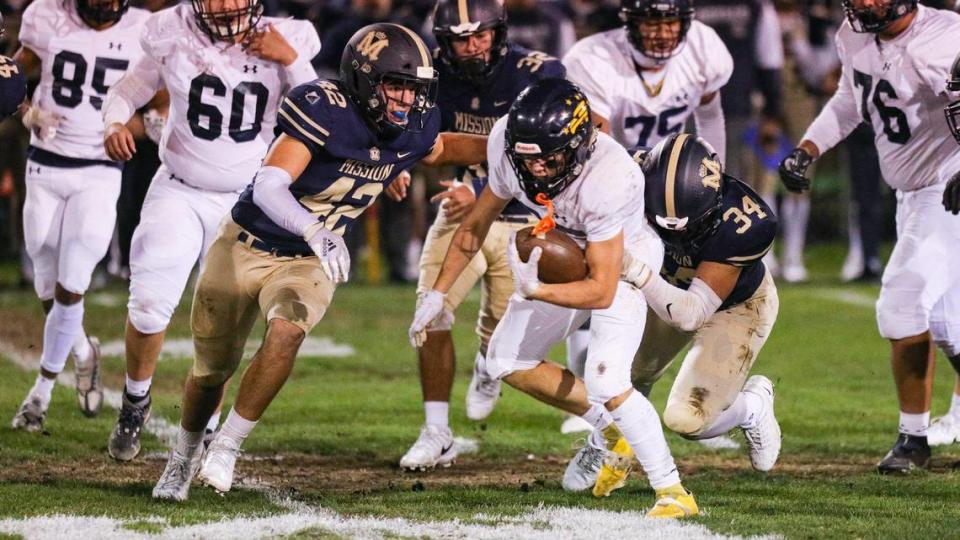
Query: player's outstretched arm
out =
(711, 125)
(134, 90)
(457, 149)
(688, 309)
(597, 290)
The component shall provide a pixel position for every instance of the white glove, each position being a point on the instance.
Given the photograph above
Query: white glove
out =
(43, 123)
(634, 271)
(429, 307)
(333, 254)
(153, 123)
(525, 279)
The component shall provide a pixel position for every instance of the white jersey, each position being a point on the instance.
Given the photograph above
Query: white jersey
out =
(606, 198)
(603, 66)
(78, 66)
(223, 101)
(899, 88)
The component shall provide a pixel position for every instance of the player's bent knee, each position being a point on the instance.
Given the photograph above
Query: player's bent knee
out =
(684, 420)
(150, 318)
(211, 378)
(900, 315)
(603, 389)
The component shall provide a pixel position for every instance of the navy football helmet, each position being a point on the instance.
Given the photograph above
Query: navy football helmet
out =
(872, 19)
(683, 196)
(389, 54)
(657, 45)
(97, 13)
(458, 19)
(549, 121)
(952, 111)
(227, 24)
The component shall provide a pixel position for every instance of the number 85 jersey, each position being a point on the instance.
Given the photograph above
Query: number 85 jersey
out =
(899, 88)
(223, 101)
(78, 66)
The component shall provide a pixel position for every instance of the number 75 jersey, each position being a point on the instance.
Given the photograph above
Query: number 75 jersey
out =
(78, 66)
(899, 88)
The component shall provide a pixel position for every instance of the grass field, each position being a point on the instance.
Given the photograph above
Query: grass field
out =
(322, 463)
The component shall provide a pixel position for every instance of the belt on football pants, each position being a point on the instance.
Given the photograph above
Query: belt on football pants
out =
(246, 238)
(517, 219)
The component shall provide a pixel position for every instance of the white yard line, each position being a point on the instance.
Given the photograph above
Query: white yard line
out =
(183, 348)
(845, 296)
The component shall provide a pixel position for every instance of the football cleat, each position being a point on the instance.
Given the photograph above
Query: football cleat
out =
(482, 395)
(174, 483)
(218, 463)
(764, 437)
(31, 414)
(794, 273)
(908, 454)
(674, 503)
(944, 430)
(574, 424)
(582, 471)
(615, 469)
(434, 447)
(89, 388)
(124, 444)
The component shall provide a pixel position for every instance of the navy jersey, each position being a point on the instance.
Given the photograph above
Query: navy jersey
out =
(468, 108)
(743, 238)
(13, 86)
(350, 164)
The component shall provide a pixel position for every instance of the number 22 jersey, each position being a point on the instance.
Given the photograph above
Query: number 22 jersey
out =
(78, 66)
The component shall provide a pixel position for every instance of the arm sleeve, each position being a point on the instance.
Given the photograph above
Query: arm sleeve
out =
(839, 116)
(137, 86)
(711, 126)
(687, 309)
(271, 193)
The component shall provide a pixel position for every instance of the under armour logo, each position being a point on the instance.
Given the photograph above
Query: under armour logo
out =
(115, 45)
(247, 68)
(886, 66)
(33, 170)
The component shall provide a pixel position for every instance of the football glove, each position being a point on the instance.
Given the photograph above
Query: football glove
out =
(793, 170)
(43, 123)
(429, 307)
(525, 279)
(634, 271)
(951, 195)
(333, 254)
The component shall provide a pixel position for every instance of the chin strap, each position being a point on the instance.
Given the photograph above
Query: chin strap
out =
(546, 223)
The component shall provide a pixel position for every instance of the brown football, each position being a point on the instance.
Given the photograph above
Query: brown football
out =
(562, 260)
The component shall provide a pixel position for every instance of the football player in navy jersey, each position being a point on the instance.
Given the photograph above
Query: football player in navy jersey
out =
(714, 291)
(13, 85)
(480, 75)
(280, 252)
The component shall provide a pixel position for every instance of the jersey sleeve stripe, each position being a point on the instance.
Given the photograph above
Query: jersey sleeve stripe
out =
(750, 258)
(307, 119)
(300, 128)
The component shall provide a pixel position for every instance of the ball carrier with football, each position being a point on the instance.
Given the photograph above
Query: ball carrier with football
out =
(547, 154)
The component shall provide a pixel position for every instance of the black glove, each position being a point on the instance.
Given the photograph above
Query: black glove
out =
(793, 169)
(951, 195)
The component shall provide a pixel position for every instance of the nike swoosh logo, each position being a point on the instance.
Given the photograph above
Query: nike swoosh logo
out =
(403, 155)
(499, 103)
(668, 310)
(447, 449)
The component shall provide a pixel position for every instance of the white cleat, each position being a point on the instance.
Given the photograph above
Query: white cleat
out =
(31, 414)
(764, 437)
(482, 395)
(218, 464)
(794, 273)
(582, 471)
(574, 424)
(434, 447)
(89, 388)
(944, 430)
(174, 483)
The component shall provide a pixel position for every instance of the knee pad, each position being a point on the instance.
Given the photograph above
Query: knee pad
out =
(684, 419)
(900, 314)
(148, 313)
(443, 322)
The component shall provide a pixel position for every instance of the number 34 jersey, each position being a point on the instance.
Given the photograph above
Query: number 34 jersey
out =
(899, 88)
(223, 101)
(78, 66)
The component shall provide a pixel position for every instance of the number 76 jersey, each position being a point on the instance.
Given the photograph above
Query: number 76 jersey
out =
(899, 88)
(78, 66)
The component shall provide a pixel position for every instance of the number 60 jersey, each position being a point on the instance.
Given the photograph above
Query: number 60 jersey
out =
(78, 66)
(223, 101)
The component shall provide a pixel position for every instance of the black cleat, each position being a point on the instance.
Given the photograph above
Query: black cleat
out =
(909, 453)
(124, 444)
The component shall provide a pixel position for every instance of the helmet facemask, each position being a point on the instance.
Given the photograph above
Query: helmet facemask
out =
(550, 172)
(657, 33)
(475, 68)
(100, 12)
(879, 17)
(224, 22)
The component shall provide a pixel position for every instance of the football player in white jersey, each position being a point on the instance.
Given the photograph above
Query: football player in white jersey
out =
(896, 60)
(80, 47)
(644, 80)
(226, 68)
(547, 154)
